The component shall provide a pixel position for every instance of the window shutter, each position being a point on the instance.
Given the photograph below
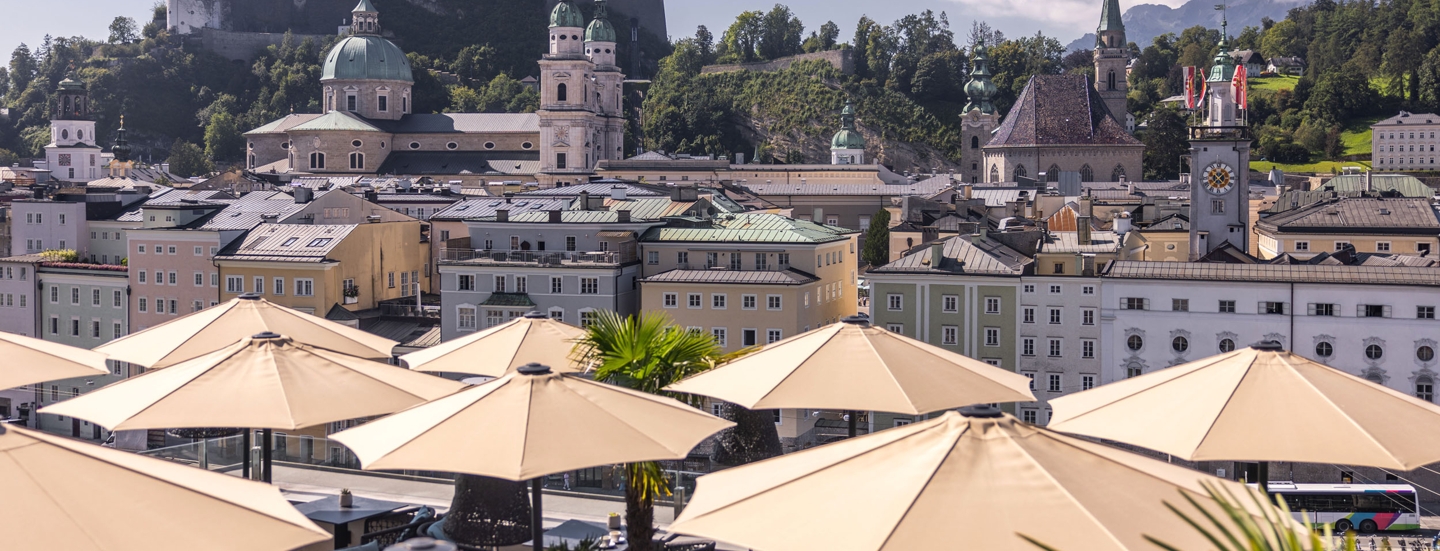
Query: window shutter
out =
(1311, 308)
(1387, 310)
(1260, 308)
(1359, 310)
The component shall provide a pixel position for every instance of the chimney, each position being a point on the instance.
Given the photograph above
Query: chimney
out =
(456, 187)
(270, 218)
(818, 216)
(1129, 186)
(1369, 185)
(584, 200)
(1122, 223)
(555, 217)
(1086, 208)
(373, 218)
(617, 193)
(969, 192)
(303, 195)
(502, 215)
(624, 216)
(372, 196)
(1082, 229)
(937, 254)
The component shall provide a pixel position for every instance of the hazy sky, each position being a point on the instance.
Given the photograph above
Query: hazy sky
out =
(28, 21)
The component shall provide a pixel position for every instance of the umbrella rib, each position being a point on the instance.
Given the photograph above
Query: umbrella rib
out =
(1144, 389)
(891, 374)
(1347, 416)
(943, 458)
(364, 374)
(787, 376)
(1070, 496)
(1223, 406)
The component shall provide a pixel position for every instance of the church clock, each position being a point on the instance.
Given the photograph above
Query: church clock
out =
(1219, 178)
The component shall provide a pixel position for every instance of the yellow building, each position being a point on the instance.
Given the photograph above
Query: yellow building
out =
(1389, 225)
(1165, 240)
(313, 268)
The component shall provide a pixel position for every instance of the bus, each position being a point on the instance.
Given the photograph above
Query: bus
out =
(1364, 507)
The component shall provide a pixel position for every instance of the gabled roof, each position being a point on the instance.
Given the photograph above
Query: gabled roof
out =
(447, 123)
(963, 254)
(336, 120)
(733, 277)
(289, 243)
(1274, 273)
(747, 228)
(1406, 117)
(280, 125)
(1404, 184)
(249, 211)
(597, 188)
(1101, 242)
(485, 207)
(1060, 110)
(1358, 214)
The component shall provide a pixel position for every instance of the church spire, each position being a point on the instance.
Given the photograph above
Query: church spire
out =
(1111, 32)
(980, 90)
(364, 19)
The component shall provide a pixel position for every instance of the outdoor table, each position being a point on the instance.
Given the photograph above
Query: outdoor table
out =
(572, 531)
(347, 523)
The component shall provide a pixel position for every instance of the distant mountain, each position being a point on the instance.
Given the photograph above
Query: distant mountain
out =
(1144, 22)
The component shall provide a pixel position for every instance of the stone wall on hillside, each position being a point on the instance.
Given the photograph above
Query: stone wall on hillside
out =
(843, 60)
(241, 46)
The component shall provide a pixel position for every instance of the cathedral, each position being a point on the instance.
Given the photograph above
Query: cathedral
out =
(1059, 123)
(368, 126)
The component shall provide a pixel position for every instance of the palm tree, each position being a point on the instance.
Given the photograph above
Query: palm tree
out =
(645, 352)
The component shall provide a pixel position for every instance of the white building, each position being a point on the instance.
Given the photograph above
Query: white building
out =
(1404, 142)
(73, 154)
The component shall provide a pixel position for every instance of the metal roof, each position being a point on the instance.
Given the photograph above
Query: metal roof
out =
(737, 277)
(1069, 242)
(749, 228)
(289, 242)
(1364, 214)
(1406, 185)
(925, 187)
(408, 333)
(509, 300)
(249, 211)
(282, 124)
(337, 120)
(1404, 116)
(485, 207)
(595, 188)
(463, 123)
(1275, 273)
(964, 254)
(461, 162)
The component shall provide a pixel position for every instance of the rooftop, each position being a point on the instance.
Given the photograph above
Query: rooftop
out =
(926, 187)
(1275, 273)
(964, 254)
(288, 243)
(735, 277)
(747, 228)
(1404, 117)
(1101, 242)
(1060, 110)
(600, 187)
(1362, 214)
(485, 207)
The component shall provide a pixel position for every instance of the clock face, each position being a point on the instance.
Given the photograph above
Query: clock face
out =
(1219, 178)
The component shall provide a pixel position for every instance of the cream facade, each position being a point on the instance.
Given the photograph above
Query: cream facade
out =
(1405, 142)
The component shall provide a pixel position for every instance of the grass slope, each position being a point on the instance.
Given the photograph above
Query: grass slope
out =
(1318, 167)
(1275, 83)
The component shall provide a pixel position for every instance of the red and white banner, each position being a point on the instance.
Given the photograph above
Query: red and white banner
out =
(1238, 84)
(1189, 76)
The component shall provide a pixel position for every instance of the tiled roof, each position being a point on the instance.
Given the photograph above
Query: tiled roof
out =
(461, 162)
(280, 125)
(1060, 110)
(925, 187)
(337, 120)
(485, 207)
(29, 258)
(289, 243)
(748, 228)
(1273, 273)
(600, 187)
(445, 123)
(738, 277)
(964, 254)
(1364, 214)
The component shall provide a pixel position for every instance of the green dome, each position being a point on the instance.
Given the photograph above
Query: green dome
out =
(71, 84)
(566, 14)
(366, 58)
(600, 31)
(980, 89)
(847, 137)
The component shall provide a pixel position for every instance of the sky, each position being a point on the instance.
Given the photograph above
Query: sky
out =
(29, 21)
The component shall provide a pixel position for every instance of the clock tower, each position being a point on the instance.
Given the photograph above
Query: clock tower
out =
(1219, 165)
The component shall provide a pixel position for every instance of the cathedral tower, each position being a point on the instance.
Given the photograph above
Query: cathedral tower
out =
(847, 147)
(979, 119)
(1219, 165)
(73, 154)
(581, 120)
(1112, 55)
(607, 140)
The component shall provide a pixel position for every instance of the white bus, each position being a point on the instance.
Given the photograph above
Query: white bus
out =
(1363, 507)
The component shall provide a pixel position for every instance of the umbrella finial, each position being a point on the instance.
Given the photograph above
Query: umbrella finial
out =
(857, 319)
(533, 315)
(981, 411)
(1269, 346)
(249, 296)
(533, 368)
(266, 335)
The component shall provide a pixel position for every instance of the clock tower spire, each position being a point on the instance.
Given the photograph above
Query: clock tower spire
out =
(1219, 164)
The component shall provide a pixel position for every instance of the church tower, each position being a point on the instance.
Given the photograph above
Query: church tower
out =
(979, 119)
(1112, 55)
(566, 98)
(607, 133)
(73, 154)
(1219, 165)
(847, 147)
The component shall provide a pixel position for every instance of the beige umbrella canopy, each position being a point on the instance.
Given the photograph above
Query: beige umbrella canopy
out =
(1258, 404)
(62, 494)
(217, 327)
(30, 361)
(531, 423)
(266, 381)
(500, 349)
(953, 482)
(853, 366)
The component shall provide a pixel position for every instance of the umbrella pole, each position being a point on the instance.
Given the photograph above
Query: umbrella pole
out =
(851, 416)
(265, 454)
(1262, 475)
(537, 528)
(245, 454)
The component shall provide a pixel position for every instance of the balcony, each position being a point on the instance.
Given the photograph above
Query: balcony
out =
(476, 257)
(1219, 133)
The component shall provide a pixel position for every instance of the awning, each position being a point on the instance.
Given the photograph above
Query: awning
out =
(508, 300)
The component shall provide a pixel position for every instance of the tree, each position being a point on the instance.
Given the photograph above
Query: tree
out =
(187, 159)
(223, 141)
(22, 70)
(981, 33)
(936, 77)
(1166, 140)
(877, 240)
(738, 43)
(644, 352)
(123, 31)
(780, 34)
(829, 35)
(705, 44)
(475, 62)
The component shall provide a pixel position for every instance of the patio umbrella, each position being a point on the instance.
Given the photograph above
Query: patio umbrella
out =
(63, 494)
(1258, 404)
(500, 349)
(219, 326)
(263, 382)
(953, 482)
(528, 424)
(29, 361)
(853, 366)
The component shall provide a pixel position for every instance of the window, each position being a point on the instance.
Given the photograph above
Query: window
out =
(1180, 304)
(748, 337)
(1227, 307)
(589, 285)
(199, 279)
(718, 333)
(1272, 308)
(1030, 376)
(279, 285)
(141, 304)
(1374, 352)
(557, 285)
(74, 327)
(1054, 383)
(54, 294)
(717, 301)
(493, 318)
(1059, 267)
(499, 283)
(652, 257)
(897, 328)
(464, 282)
(951, 304)
(390, 280)
(1054, 289)
(671, 300)
(304, 287)
(1087, 349)
(783, 259)
(1227, 345)
(772, 302)
(317, 161)
(1422, 248)
(1425, 389)
(1029, 288)
(1324, 349)
(116, 331)
(1054, 316)
(1135, 343)
(349, 103)
(1217, 206)
(115, 298)
(1133, 303)
(95, 329)
(1382, 246)
(992, 305)
(949, 335)
(466, 318)
(1322, 309)
(893, 302)
(234, 284)
(992, 336)
(1027, 346)
(748, 302)
(734, 261)
(1054, 348)
(383, 104)
(173, 278)
(94, 297)
(569, 242)
(199, 251)
(560, 157)
(1087, 317)
(258, 285)
(74, 295)
(1027, 314)
(174, 306)
(196, 306)
(1425, 312)
(693, 300)
(1087, 290)
(761, 262)
(1180, 344)
(1374, 311)
(1340, 245)
(1027, 415)
(772, 335)
(1087, 382)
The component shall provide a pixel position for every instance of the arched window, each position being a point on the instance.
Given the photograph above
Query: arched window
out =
(252, 160)
(1110, 81)
(1117, 174)
(560, 92)
(994, 173)
(317, 161)
(67, 104)
(1052, 174)
(974, 142)
(1020, 172)
(357, 160)
(1086, 174)
(1227, 345)
(1375, 377)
